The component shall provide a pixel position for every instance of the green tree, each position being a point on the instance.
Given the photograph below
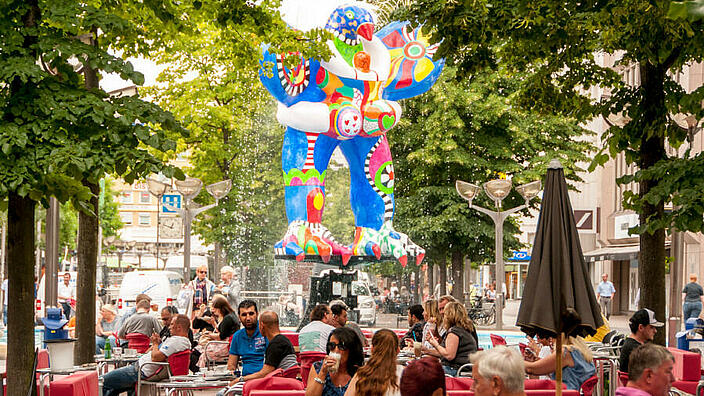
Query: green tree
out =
(110, 221)
(557, 42)
(60, 134)
(469, 129)
(211, 83)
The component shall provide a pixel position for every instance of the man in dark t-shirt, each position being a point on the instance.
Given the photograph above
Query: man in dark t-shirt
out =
(643, 328)
(279, 353)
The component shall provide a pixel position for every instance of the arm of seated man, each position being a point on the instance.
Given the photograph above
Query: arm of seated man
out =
(157, 355)
(232, 362)
(266, 369)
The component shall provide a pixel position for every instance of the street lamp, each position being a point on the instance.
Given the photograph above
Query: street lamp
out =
(497, 190)
(189, 189)
(157, 189)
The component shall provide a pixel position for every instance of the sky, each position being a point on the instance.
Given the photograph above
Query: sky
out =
(300, 14)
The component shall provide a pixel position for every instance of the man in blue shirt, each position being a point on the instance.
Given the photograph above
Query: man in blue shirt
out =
(248, 344)
(605, 292)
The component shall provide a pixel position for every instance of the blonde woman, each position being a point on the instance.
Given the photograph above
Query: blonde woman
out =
(460, 338)
(577, 363)
(432, 320)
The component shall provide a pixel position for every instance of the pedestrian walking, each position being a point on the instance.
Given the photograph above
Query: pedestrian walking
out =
(692, 297)
(605, 292)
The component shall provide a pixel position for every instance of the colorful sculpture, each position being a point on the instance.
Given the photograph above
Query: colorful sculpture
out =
(348, 101)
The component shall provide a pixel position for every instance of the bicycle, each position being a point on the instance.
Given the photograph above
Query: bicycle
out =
(482, 312)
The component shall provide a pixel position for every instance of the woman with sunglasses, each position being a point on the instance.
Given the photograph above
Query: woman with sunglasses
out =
(380, 376)
(322, 381)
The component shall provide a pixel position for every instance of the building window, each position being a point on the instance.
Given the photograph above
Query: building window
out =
(126, 197)
(145, 219)
(145, 197)
(126, 218)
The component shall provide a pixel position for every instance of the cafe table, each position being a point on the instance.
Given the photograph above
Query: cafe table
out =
(49, 374)
(116, 361)
(172, 387)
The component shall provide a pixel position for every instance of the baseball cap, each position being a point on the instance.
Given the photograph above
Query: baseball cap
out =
(645, 317)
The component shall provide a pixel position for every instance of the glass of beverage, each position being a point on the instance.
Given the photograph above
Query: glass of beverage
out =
(337, 358)
(417, 348)
(117, 352)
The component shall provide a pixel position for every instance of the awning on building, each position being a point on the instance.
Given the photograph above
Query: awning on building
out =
(613, 253)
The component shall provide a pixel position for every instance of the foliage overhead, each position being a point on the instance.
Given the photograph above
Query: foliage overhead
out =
(565, 46)
(469, 129)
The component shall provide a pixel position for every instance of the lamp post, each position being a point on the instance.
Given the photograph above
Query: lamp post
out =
(157, 189)
(497, 190)
(189, 189)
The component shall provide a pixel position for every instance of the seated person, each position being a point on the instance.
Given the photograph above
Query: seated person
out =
(416, 322)
(141, 322)
(577, 363)
(125, 378)
(459, 340)
(423, 377)
(106, 328)
(381, 374)
(322, 379)
(339, 319)
(226, 322)
(498, 371)
(279, 353)
(248, 344)
(643, 327)
(313, 337)
(649, 372)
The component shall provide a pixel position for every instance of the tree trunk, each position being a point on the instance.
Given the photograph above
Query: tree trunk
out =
(85, 283)
(458, 276)
(442, 263)
(20, 315)
(418, 293)
(431, 278)
(88, 229)
(651, 268)
(20, 253)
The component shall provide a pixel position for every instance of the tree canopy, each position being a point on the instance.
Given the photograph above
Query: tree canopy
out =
(562, 46)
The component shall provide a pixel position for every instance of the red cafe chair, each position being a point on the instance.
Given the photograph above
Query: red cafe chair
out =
(138, 342)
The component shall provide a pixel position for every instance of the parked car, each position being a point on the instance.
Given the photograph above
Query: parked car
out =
(162, 286)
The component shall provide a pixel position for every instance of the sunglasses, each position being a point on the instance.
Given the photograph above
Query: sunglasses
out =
(340, 346)
(202, 272)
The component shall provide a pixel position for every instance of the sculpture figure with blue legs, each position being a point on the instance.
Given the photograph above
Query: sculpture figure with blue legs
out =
(347, 102)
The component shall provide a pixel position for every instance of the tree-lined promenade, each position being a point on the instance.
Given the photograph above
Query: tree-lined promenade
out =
(512, 100)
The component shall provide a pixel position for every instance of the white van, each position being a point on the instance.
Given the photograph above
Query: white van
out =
(365, 303)
(162, 286)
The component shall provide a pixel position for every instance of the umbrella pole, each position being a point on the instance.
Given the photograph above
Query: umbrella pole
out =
(558, 366)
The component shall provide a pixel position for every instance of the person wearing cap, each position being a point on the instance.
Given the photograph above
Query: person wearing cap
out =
(650, 372)
(643, 328)
(692, 298)
(106, 328)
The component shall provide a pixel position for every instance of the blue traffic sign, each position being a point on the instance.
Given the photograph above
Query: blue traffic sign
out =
(170, 201)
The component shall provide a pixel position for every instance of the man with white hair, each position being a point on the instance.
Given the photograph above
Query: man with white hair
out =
(498, 371)
(649, 372)
(229, 285)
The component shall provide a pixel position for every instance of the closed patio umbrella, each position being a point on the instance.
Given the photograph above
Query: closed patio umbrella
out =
(562, 297)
